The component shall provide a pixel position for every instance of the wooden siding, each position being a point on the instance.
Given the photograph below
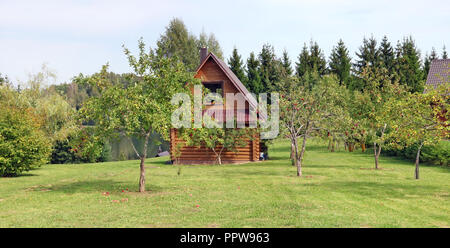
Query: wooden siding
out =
(201, 155)
(211, 72)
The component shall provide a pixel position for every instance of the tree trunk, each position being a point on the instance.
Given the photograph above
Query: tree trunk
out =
(292, 151)
(142, 165)
(375, 154)
(333, 142)
(300, 157)
(142, 176)
(363, 147)
(416, 172)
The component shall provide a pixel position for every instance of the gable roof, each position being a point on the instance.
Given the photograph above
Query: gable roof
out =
(439, 72)
(232, 77)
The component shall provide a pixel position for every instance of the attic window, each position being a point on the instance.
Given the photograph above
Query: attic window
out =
(214, 87)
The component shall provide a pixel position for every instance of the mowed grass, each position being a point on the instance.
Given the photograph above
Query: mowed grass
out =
(338, 189)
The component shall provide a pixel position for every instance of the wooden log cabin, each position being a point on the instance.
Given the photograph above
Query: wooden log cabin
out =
(218, 77)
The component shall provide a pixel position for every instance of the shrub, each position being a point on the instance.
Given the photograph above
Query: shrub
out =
(63, 153)
(23, 145)
(433, 154)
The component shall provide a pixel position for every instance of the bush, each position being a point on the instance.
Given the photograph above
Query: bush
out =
(23, 145)
(433, 154)
(62, 153)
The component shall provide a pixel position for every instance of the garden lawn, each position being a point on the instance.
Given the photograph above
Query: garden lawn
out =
(338, 189)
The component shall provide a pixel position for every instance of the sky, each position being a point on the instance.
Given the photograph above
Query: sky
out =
(73, 37)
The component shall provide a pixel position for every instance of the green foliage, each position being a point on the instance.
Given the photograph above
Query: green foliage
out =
(63, 153)
(253, 83)
(307, 105)
(286, 64)
(178, 42)
(23, 145)
(340, 63)
(269, 68)
(387, 56)
(311, 60)
(210, 42)
(237, 66)
(431, 153)
(408, 65)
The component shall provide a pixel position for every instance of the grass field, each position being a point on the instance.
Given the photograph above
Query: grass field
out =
(337, 190)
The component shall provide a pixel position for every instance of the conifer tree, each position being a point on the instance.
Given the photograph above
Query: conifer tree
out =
(253, 83)
(286, 63)
(409, 65)
(236, 65)
(444, 53)
(317, 60)
(270, 68)
(368, 55)
(311, 59)
(303, 62)
(340, 63)
(386, 53)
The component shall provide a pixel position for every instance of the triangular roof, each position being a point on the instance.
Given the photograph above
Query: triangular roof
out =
(232, 77)
(439, 72)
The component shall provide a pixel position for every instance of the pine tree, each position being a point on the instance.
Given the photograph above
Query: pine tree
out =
(444, 53)
(311, 60)
(368, 55)
(386, 53)
(286, 63)
(270, 68)
(340, 63)
(236, 65)
(317, 60)
(409, 65)
(303, 62)
(253, 83)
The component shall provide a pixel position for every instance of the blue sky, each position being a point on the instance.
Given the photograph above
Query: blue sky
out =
(80, 36)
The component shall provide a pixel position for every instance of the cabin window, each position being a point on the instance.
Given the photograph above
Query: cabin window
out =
(214, 87)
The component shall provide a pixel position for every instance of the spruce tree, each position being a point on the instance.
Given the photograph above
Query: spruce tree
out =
(311, 59)
(253, 83)
(303, 62)
(409, 65)
(386, 53)
(236, 65)
(317, 60)
(368, 55)
(444, 53)
(340, 63)
(286, 63)
(270, 68)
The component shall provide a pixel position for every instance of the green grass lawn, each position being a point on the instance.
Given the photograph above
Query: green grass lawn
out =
(337, 190)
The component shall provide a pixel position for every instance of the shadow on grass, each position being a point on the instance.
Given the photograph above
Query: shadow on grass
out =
(99, 186)
(380, 190)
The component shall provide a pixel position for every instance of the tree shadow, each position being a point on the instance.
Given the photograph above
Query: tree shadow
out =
(100, 186)
(381, 190)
